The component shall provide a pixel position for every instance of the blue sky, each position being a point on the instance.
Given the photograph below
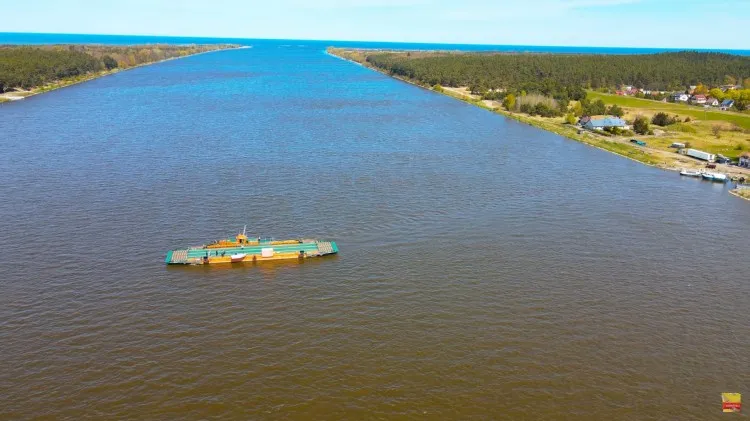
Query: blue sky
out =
(626, 23)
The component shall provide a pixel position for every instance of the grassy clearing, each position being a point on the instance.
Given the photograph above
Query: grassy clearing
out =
(732, 139)
(742, 120)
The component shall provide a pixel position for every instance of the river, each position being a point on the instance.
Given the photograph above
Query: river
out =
(488, 269)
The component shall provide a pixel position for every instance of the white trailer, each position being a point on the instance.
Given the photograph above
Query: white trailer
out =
(695, 153)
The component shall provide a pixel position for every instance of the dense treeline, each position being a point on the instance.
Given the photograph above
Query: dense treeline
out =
(551, 72)
(27, 67)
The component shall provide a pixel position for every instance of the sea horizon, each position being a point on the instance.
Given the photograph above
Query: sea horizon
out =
(38, 38)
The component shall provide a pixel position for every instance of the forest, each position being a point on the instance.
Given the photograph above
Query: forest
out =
(27, 67)
(549, 73)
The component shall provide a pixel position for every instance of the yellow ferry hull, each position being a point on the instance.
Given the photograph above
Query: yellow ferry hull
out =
(228, 252)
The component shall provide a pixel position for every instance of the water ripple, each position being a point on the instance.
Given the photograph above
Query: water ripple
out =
(488, 269)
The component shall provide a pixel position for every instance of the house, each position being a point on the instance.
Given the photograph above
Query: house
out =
(620, 93)
(727, 104)
(583, 120)
(744, 160)
(712, 102)
(680, 97)
(605, 123)
(698, 99)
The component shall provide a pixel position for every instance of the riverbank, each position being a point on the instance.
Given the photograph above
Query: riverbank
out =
(742, 193)
(19, 93)
(656, 153)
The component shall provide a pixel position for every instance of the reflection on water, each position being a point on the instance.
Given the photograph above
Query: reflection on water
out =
(269, 267)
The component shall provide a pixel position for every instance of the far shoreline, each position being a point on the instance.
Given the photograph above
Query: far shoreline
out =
(641, 155)
(15, 96)
(514, 116)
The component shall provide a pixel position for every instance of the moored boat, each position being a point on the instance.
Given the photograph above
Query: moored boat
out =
(715, 176)
(244, 249)
(690, 173)
(719, 177)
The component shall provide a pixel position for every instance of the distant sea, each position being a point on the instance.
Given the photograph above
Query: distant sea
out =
(37, 39)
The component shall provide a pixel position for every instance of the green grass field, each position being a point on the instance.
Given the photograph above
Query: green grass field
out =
(742, 120)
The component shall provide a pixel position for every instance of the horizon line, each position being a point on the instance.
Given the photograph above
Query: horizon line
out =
(374, 41)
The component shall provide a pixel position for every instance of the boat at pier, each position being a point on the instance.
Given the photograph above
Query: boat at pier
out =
(714, 176)
(691, 173)
(243, 249)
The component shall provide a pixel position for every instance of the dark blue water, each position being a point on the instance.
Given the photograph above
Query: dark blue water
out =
(27, 38)
(488, 269)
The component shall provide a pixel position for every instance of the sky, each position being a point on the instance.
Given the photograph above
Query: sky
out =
(719, 24)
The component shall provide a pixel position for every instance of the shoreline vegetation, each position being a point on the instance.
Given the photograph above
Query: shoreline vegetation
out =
(31, 70)
(742, 193)
(563, 101)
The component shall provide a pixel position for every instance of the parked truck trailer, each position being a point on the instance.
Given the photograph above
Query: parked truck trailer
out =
(695, 153)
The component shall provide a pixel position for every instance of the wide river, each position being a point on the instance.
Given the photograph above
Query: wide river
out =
(488, 269)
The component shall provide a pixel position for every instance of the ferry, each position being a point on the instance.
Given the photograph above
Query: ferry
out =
(243, 249)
